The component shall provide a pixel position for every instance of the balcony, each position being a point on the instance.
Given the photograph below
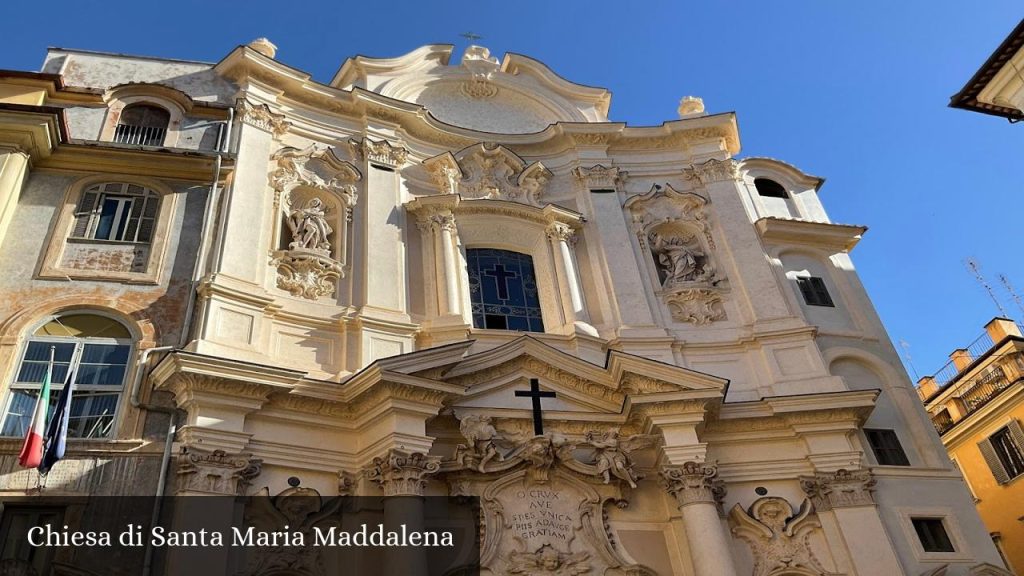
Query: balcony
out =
(970, 395)
(141, 135)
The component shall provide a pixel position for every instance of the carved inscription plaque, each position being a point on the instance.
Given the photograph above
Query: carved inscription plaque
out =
(542, 515)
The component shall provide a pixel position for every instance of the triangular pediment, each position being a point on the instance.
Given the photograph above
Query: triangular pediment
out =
(491, 378)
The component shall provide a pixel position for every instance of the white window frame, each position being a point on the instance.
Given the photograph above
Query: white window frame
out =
(949, 522)
(56, 387)
(127, 200)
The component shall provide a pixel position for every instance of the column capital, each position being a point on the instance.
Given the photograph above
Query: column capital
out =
(561, 232)
(712, 171)
(840, 489)
(379, 152)
(402, 473)
(599, 177)
(216, 472)
(693, 483)
(445, 172)
(260, 116)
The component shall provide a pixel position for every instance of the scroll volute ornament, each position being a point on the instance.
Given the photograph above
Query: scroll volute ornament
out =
(314, 196)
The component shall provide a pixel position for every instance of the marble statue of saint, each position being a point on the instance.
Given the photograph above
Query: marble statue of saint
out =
(676, 258)
(309, 227)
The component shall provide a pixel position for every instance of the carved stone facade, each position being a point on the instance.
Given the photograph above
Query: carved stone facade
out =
(311, 319)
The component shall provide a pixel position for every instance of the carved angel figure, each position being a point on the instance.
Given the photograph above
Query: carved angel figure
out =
(547, 561)
(778, 538)
(483, 439)
(611, 454)
(680, 261)
(309, 227)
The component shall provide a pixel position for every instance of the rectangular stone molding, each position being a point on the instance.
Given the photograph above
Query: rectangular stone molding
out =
(383, 243)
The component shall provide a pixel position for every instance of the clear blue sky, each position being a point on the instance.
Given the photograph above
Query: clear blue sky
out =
(855, 92)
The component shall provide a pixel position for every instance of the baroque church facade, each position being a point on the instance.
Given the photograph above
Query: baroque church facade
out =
(436, 275)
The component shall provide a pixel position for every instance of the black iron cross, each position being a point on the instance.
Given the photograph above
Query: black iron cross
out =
(501, 277)
(536, 394)
(470, 36)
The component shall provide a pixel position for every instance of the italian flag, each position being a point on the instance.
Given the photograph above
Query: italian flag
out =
(32, 451)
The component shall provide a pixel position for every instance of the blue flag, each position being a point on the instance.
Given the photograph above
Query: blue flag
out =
(57, 433)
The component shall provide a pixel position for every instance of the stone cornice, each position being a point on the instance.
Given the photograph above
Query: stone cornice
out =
(34, 130)
(834, 410)
(175, 164)
(306, 96)
(842, 237)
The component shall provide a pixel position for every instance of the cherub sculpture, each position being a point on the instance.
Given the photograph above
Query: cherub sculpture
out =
(778, 538)
(611, 454)
(546, 561)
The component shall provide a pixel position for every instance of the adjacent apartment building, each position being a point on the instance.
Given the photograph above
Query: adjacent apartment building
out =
(976, 403)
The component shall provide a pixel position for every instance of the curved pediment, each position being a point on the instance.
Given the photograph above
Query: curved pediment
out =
(517, 95)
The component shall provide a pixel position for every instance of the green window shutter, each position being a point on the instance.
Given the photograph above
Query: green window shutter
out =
(83, 212)
(992, 459)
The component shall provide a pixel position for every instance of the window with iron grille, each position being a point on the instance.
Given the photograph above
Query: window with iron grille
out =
(1004, 452)
(885, 445)
(142, 124)
(932, 534)
(116, 211)
(503, 290)
(814, 291)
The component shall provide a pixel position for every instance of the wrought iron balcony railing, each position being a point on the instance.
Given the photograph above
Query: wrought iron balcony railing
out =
(143, 135)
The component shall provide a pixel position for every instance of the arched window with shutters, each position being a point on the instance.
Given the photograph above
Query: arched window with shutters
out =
(116, 211)
(143, 124)
(102, 372)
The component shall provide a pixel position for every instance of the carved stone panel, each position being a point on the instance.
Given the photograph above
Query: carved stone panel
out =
(840, 489)
(779, 538)
(490, 172)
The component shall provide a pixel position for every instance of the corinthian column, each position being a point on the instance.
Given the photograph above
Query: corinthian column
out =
(440, 255)
(403, 475)
(563, 239)
(699, 492)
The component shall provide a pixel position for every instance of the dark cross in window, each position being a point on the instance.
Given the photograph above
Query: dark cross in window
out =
(535, 394)
(501, 277)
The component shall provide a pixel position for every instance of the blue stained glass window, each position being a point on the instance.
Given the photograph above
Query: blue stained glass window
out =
(503, 290)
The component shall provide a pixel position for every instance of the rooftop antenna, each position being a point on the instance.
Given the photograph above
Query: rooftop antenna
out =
(1013, 293)
(975, 269)
(906, 354)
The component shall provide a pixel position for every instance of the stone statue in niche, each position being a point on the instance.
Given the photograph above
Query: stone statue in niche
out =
(309, 227)
(546, 561)
(679, 258)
